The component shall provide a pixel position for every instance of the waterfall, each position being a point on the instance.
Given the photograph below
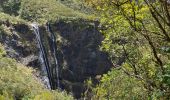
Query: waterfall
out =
(54, 53)
(43, 54)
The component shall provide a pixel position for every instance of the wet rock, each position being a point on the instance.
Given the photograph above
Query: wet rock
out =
(78, 51)
(82, 54)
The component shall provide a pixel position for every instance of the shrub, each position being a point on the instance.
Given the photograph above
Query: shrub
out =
(18, 82)
(11, 6)
(54, 95)
(116, 85)
(42, 10)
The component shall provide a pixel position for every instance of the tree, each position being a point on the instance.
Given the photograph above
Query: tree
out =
(137, 31)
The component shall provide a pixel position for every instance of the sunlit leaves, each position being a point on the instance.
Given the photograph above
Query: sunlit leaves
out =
(117, 85)
(131, 29)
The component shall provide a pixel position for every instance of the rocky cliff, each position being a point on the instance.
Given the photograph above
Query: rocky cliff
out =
(78, 51)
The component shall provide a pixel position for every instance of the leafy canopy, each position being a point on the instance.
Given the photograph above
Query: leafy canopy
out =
(137, 40)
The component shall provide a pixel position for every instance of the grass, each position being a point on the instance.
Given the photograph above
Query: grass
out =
(78, 5)
(12, 19)
(43, 10)
(17, 82)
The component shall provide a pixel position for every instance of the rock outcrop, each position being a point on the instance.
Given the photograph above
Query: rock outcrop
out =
(79, 56)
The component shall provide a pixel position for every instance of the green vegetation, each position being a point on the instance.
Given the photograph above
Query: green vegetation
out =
(10, 6)
(11, 19)
(117, 85)
(6, 19)
(137, 40)
(78, 5)
(18, 82)
(136, 37)
(41, 10)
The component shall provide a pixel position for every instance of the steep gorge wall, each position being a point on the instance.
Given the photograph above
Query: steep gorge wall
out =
(78, 51)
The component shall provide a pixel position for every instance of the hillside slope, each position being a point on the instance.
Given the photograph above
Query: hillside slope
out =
(18, 82)
(77, 37)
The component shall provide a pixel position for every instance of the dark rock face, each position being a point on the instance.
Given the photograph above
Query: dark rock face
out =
(79, 56)
(81, 53)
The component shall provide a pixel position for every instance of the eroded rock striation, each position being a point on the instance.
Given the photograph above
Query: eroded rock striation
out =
(78, 51)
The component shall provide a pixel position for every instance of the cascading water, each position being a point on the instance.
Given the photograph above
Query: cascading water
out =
(54, 53)
(43, 55)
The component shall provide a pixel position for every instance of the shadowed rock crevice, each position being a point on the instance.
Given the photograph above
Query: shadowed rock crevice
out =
(78, 51)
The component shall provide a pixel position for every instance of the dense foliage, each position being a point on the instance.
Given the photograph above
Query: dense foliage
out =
(117, 85)
(136, 37)
(137, 40)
